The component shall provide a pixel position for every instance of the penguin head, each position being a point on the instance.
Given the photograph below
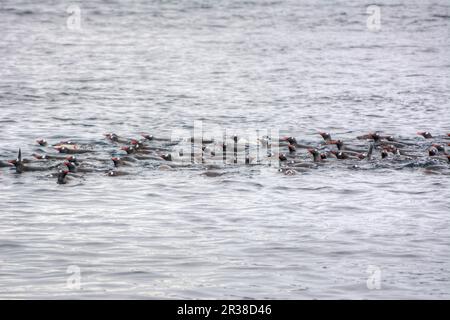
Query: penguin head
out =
(70, 166)
(128, 149)
(147, 136)
(439, 147)
(375, 136)
(72, 159)
(325, 135)
(112, 136)
(135, 143)
(42, 142)
(116, 161)
(38, 156)
(315, 154)
(61, 149)
(425, 134)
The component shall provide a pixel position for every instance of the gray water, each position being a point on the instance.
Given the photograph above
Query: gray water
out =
(155, 66)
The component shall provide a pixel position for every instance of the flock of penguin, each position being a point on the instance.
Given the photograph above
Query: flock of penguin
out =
(68, 159)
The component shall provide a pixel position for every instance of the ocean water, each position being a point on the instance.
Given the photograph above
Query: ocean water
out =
(158, 66)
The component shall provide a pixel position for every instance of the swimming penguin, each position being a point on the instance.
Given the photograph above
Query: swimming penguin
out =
(115, 138)
(42, 142)
(339, 144)
(147, 136)
(71, 150)
(375, 136)
(439, 147)
(76, 169)
(140, 144)
(139, 147)
(114, 173)
(433, 152)
(282, 157)
(73, 159)
(65, 143)
(167, 157)
(425, 134)
(293, 141)
(326, 136)
(153, 138)
(316, 155)
(129, 149)
(4, 164)
(120, 162)
(62, 176)
(340, 155)
(21, 167)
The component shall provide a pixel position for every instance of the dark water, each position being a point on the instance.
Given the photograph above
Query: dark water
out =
(156, 66)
